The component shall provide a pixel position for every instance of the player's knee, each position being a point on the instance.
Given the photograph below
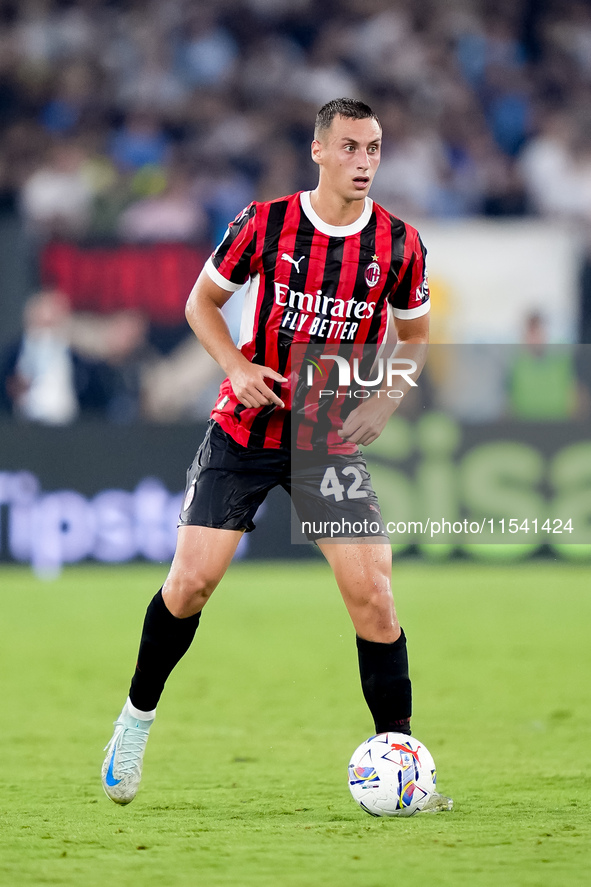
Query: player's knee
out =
(381, 605)
(377, 609)
(378, 595)
(186, 592)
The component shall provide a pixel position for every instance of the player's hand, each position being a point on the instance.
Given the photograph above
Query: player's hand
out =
(249, 386)
(367, 421)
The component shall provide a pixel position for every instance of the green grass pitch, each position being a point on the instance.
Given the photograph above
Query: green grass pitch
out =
(245, 772)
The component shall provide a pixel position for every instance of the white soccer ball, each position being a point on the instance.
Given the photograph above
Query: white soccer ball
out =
(392, 774)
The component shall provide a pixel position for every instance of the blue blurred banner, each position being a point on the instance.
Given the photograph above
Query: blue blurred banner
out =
(109, 494)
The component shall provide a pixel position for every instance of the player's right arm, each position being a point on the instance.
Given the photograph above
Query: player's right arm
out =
(204, 315)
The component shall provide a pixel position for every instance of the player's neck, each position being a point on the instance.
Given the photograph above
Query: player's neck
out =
(335, 210)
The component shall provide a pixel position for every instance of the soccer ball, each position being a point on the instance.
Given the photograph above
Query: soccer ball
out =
(392, 774)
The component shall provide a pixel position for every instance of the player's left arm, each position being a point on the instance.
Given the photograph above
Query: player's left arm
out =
(367, 421)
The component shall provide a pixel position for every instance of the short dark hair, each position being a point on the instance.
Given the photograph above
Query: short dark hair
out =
(351, 108)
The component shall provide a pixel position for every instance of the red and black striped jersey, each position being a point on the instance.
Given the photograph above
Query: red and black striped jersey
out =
(311, 283)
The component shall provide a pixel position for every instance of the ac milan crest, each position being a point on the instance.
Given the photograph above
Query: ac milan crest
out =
(373, 273)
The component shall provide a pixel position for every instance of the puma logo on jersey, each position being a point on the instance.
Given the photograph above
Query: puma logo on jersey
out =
(287, 258)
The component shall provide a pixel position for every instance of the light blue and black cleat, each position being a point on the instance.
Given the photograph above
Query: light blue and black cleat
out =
(122, 767)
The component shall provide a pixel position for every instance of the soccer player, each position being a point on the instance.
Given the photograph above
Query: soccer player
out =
(324, 268)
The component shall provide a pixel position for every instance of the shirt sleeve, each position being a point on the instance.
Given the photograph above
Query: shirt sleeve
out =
(230, 263)
(410, 297)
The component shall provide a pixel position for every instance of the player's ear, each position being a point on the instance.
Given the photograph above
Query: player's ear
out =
(316, 151)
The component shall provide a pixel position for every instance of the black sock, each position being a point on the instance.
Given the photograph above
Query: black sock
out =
(165, 640)
(386, 684)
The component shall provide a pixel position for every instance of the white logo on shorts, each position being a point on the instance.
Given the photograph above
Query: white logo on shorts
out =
(190, 496)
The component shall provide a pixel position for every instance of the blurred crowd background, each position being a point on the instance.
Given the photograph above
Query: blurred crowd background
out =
(124, 125)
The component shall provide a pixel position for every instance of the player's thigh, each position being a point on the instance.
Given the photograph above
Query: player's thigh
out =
(226, 484)
(202, 556)
(363, 570)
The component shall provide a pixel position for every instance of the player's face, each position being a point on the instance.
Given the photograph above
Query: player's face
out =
(348, 155)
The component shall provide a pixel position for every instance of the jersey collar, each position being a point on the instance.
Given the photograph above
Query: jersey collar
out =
(336, 230)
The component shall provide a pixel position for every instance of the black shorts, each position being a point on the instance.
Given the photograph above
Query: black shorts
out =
(228, 482)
